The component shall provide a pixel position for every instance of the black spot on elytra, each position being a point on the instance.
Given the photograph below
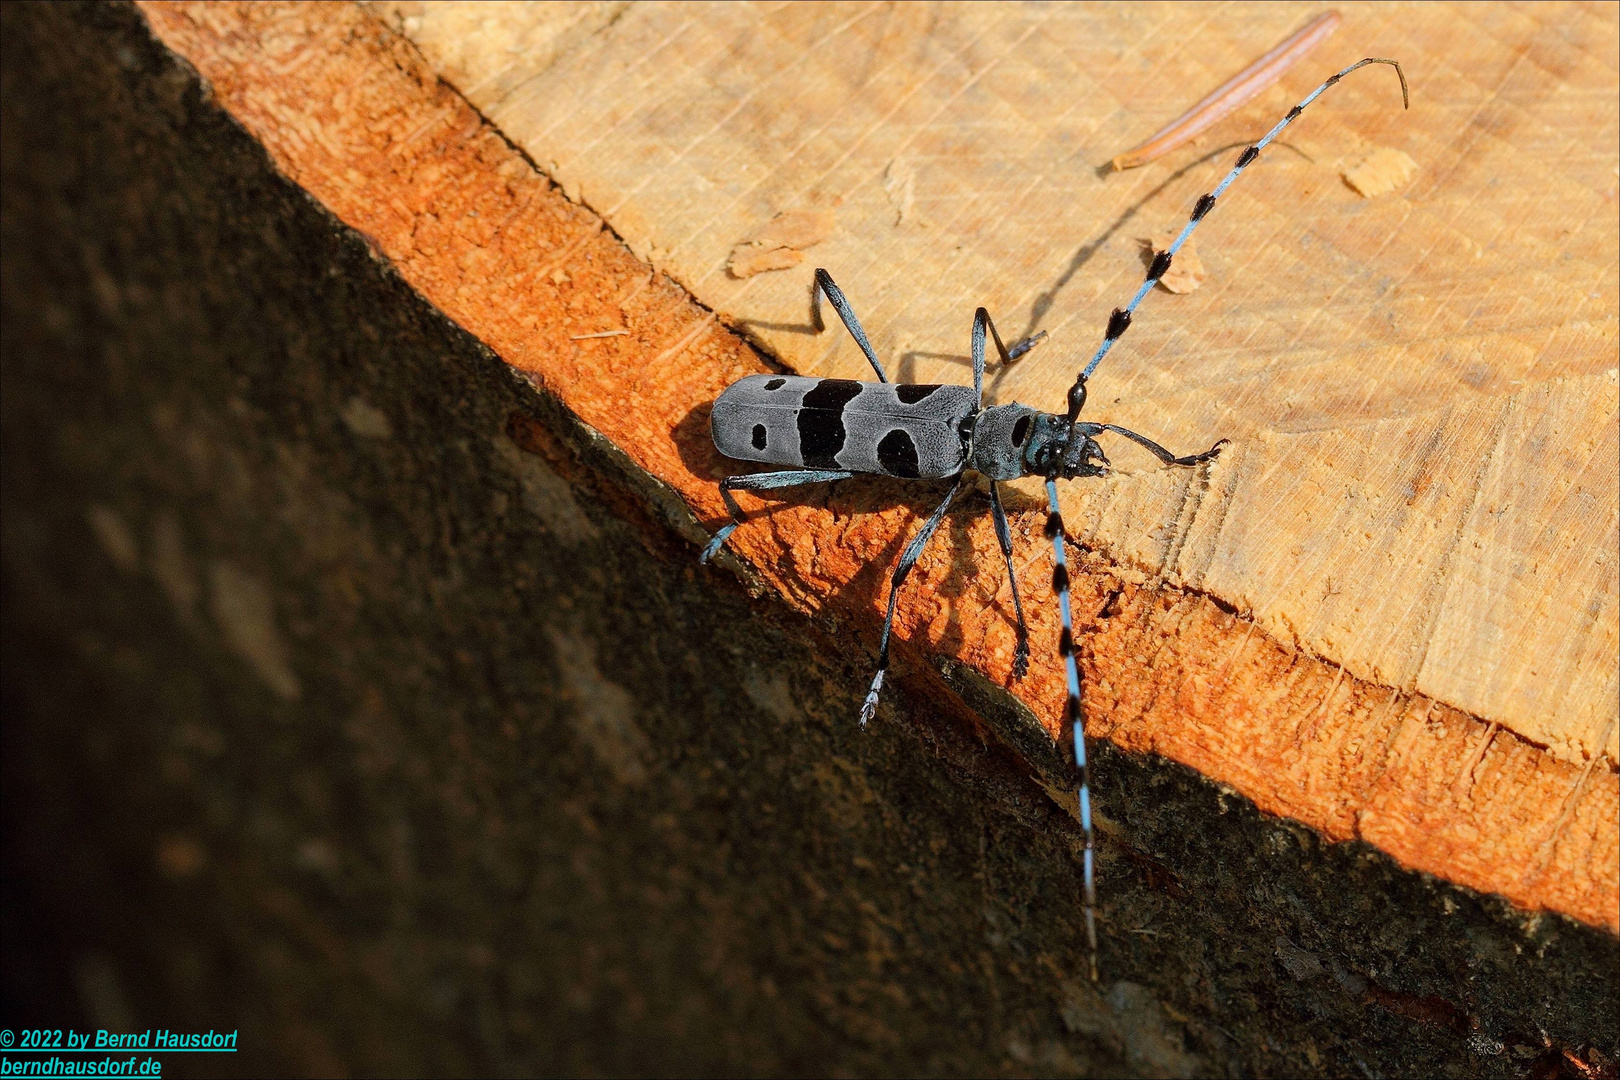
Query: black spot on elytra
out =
(832, 394)
(776, 384)
(911, 393)
(821, 421)
(898, 454)
(759, 437)
(1021, 431)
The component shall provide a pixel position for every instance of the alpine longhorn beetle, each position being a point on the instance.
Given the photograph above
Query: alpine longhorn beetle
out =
(831, 429)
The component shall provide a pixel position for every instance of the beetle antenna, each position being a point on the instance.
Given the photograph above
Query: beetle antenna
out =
(1074, 715)
(1120, 320)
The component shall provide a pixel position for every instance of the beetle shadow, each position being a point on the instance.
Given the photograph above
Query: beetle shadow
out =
(695, 445)
(1083, 254)
(816, 324)
(1044, 301)
(905, 367)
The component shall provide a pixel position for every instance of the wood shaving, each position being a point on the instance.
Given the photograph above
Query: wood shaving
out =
(900, 185)
(781, 243)
(1237, 90)
(1380, 172)
(1186, 271)
(748, 259)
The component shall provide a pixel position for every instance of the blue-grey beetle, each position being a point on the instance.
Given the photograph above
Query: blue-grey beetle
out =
(831, 429)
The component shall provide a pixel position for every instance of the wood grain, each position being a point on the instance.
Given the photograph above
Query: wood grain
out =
(1421, 387)
(358, 117)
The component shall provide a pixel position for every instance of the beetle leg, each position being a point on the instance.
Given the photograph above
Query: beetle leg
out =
(1164, 455)
(764, 481)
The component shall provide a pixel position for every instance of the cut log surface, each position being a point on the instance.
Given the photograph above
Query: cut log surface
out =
(1420, 389)
(1388, 611)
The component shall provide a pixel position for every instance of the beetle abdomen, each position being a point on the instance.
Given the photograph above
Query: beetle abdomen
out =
(895, 429)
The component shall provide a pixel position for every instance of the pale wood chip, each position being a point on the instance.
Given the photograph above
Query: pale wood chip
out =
(750, 259)
(1380, 172)
(781, 243)
(1186, 271)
